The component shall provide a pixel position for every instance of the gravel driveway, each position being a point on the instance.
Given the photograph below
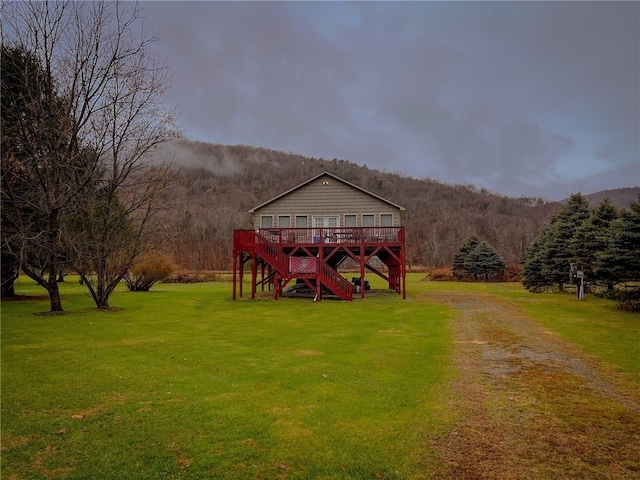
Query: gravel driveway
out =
(532, 405)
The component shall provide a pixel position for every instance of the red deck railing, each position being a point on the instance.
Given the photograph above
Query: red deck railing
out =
(301, 236)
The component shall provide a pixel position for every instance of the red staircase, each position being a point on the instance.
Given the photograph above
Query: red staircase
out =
(325, 276)
(335, 282)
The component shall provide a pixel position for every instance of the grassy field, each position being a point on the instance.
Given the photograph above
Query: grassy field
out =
(182, 382)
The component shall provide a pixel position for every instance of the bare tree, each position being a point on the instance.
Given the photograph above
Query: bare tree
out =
(41, 170)
(99, 60)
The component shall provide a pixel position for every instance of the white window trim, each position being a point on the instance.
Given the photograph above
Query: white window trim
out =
(284, 216)
(265, 216)
(313, 220)
(370, 215)
(306, 217)
(344, 219)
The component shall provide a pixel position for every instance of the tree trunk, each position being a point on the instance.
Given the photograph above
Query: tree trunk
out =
(9, 274)
(102, 296)
(50, 285)
(8, 290)
(54, 297)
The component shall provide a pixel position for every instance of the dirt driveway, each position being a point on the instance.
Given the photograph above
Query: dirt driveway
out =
(532, 405)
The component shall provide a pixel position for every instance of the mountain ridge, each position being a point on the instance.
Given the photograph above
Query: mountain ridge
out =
(216, 185)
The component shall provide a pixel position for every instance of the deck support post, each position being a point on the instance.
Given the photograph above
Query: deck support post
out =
(235, 268)
(254, 274)
(362, 262)
(318, 282)
(241, 266)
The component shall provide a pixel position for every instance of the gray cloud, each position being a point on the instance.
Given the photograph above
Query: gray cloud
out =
(523, 98)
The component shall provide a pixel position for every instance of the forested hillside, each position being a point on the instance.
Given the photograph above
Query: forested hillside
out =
(216, 185)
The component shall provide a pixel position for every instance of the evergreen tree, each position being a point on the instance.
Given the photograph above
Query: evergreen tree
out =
(484, 260)
(592, 238)
(461, 255)
(532, 278)
(477, 258)
(557, 255)
(620, 261)
(549, 259)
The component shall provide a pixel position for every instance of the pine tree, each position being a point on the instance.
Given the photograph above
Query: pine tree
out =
(484, 260)
(592, 238)
(532, 278)
(477, 258)
(553, 253)
(620, 261)
(557, 255)
(461, 255)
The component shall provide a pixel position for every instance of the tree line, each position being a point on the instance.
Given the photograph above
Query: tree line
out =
(216, 185)
(603, 242)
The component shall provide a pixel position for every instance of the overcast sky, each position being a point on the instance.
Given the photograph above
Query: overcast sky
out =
(522, 98)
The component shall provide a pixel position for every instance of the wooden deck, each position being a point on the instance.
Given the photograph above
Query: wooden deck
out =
(278, 252)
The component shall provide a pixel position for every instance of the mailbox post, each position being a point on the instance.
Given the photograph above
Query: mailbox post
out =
(576, 274)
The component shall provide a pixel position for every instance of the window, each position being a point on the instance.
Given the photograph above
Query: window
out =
(386, 219)
(266, 221)
(368, 220)
(284, 221)
(349, 220)
(301, 221)
(326, 222)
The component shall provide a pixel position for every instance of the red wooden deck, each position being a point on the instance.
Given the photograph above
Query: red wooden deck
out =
(313, 255)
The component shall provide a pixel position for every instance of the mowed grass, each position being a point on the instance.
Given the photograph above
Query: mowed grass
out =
(182, 382)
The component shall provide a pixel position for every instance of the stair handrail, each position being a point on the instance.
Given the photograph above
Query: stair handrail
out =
(278, 258)
(341, 286)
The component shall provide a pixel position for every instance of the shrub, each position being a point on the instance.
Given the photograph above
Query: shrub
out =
(198, 277)
(629, 305)
(513, 273)
(628, 299)
(439, 275)
(151, 269)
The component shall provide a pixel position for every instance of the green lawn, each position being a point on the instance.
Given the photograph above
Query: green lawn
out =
(182, 382)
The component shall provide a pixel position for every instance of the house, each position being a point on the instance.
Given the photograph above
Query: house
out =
(307, 232)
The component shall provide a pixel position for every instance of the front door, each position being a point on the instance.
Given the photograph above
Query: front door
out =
(324, 228)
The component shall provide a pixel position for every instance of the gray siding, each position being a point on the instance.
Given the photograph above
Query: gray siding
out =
(327, 196)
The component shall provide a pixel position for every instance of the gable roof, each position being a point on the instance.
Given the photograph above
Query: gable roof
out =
(335, 177)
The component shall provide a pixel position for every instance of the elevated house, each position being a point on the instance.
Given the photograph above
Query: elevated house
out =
(307, 232)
